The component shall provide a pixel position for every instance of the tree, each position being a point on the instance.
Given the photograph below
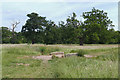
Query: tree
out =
(33, 30)
(69, 29)
(6, 34)
(96, 26)
(14, 25)
(20, 38)
(51, 33)
(80, 33)
(63, 33)
(118, 36)
(113, 36)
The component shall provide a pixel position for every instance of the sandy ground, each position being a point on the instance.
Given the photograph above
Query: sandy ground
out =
(48, 57)
(65, 46)
(43, 57)
(86, 46)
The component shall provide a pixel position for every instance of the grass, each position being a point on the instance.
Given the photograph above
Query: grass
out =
(103, 66)
(75, 67)
(81, 52)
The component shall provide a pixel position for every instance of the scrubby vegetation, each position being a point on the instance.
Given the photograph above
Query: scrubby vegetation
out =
(28, 59)
(81, 52)
(18, 62)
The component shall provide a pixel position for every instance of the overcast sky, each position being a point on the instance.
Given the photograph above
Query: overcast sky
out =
(55, 11)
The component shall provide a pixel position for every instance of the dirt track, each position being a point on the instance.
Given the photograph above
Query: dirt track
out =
(86, 46)
(94, 46)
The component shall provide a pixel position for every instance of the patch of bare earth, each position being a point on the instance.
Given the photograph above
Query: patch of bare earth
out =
(89, 56)
(85, 46)
(65, 46)
(19, 64)
(43, 57)
(19, 45)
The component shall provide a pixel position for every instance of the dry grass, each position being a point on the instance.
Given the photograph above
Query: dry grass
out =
(91, 46)
(18, 62)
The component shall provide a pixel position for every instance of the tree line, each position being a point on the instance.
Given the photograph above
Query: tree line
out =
(96, 28)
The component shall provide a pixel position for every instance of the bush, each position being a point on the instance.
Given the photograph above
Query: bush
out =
(46, 50)
(54, 57)
(42, 50)
(73, 51)
(81, 52)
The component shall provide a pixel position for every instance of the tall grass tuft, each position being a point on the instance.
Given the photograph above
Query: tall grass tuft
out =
(54, 57)
(103, 66)
(42, 50)
(73, 51)
(81, 52)
(47, 50)
(109, 57)
(80, 67)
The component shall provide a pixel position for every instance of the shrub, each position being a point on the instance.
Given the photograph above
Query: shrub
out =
(73, 51)
(81, 52)
(46, 50)
(54, 57)
(42, 50)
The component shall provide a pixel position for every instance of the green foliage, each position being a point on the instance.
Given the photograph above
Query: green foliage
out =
(33, 29)
(96, 29)
(73, 51)
(81, 52)
(42, 50)
(51, 33)
(6, 35)
(68, 30)
(96, 26)
(46, 50)
(54, 57)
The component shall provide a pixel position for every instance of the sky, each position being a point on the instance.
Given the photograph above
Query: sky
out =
(55, 11)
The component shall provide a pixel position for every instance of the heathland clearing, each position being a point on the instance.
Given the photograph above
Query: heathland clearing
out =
(18, 61)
